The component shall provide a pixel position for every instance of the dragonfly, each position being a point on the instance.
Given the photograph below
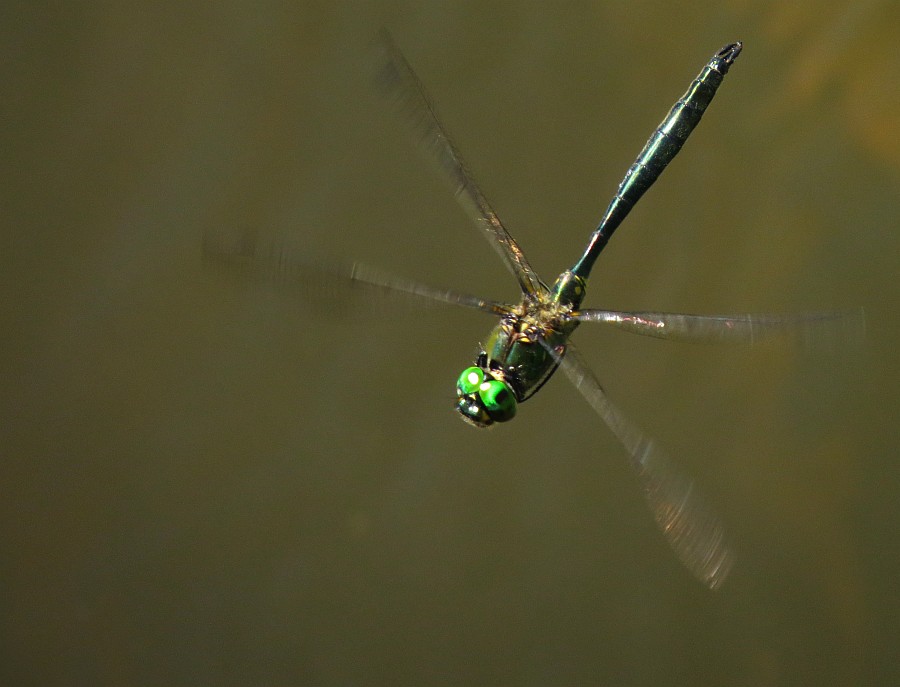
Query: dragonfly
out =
(531, 339)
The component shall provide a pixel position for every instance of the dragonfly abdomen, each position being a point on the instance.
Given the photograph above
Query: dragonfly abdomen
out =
(659, 151)
(673, 131)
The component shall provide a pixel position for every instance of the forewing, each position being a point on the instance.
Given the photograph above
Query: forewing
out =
(273, 258)
(840, 325)
(398, 81)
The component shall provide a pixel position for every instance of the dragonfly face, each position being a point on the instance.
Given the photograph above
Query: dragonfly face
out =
(483, 397)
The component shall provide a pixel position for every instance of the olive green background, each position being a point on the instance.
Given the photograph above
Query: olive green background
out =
(210, 481)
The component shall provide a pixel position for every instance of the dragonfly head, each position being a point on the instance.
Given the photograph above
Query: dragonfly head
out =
(482, 399)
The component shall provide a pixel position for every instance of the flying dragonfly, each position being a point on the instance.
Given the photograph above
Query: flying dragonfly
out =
(531, 339)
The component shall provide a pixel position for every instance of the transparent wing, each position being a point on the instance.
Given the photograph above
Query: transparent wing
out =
(398, 80)
(273, 259)
(688, 524)
(740, 329)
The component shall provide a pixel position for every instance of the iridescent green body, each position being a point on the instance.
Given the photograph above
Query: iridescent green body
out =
(527, 344)
(522, 352)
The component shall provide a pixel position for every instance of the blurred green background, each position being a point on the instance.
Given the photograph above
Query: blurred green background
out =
(207, 481)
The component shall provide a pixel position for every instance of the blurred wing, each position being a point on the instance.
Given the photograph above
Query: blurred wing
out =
(398, 80)
(272, 259)
(688, 524)
(739, 329)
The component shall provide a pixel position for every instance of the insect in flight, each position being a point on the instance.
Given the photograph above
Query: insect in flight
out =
(532, 338)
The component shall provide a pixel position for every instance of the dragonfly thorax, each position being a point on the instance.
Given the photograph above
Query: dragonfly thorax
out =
(547, 311)
(521, 354)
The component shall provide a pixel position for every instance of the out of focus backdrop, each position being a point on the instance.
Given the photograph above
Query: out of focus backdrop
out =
(212, 481)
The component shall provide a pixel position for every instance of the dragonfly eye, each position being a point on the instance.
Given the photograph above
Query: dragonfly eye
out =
(498, 400)
(469, 381)
(482, 400)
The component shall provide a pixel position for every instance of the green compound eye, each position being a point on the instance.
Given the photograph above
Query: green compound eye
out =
(469, 381)
(493, 400)
(498, 400)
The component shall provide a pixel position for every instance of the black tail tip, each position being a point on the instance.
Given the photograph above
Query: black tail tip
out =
(730, 52)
